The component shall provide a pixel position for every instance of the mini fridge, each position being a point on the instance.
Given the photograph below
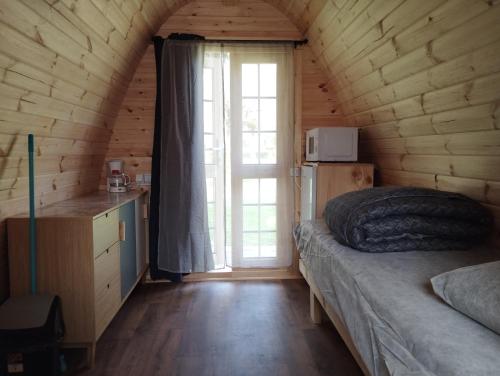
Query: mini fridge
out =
(321, 182)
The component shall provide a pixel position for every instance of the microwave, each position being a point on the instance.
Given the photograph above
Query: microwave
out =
(332, 144)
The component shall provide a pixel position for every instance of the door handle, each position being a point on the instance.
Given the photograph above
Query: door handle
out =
(121, 230)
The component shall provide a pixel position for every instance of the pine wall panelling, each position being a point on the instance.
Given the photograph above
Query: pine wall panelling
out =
(421, 78)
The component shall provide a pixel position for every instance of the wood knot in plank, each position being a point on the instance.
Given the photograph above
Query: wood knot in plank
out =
(430, 54)
(38, 37)
(467, 91)
(395, 45)
(89, 44)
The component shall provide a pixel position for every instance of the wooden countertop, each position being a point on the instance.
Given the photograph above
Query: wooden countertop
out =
(92, 205)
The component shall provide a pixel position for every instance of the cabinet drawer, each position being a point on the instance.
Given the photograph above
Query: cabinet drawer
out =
(107, 304)
(107, 287)
(107, 267)
(105, 231)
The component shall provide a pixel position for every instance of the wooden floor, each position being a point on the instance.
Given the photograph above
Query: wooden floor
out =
(221, 328)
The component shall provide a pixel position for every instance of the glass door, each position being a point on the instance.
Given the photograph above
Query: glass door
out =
(248, 148)
(256, 164)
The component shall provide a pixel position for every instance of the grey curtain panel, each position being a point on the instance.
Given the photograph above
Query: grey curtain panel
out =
(179, 233)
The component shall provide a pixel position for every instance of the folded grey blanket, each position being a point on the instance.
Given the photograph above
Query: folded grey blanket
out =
(392, 219)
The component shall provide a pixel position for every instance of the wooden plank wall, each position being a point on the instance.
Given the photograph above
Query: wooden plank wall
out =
(422, 80)
(319, 104)
(132, 137)
(247, 19)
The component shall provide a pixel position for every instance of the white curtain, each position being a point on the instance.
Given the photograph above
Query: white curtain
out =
(248, 112)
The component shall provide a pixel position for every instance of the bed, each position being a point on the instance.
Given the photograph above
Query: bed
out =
(384, 307)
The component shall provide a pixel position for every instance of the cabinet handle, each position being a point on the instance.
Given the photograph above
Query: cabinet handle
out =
(106, 215)
(107, 250)
(121, 230)
(108, 286)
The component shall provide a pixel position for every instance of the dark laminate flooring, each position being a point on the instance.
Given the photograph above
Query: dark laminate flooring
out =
(221, 328)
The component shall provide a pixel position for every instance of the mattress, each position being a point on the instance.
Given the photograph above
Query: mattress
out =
(387, 304)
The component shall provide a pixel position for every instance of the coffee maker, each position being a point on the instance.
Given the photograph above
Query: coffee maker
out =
(117, 181)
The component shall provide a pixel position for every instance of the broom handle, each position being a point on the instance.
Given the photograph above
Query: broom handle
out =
(32, 231)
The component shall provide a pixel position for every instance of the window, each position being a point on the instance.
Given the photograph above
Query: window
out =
(259, 113)
(259, 218)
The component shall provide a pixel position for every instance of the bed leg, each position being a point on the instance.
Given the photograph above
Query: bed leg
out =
(314, 308)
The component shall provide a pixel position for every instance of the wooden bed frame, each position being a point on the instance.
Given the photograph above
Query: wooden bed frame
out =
(318, 304)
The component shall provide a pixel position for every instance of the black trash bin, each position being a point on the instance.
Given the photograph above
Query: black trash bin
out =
(31, 329)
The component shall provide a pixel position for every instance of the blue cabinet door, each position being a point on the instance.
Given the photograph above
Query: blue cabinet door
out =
(127, 248)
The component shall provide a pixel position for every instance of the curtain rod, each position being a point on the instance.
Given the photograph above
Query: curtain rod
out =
(249, 41)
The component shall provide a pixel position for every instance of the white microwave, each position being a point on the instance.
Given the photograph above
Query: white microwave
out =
(332, 144)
